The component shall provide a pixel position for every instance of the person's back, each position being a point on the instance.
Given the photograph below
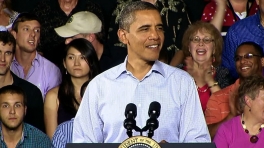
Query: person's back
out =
(63, 134)
(51, 16)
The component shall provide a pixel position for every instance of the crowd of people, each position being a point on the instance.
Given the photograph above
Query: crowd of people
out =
(68, 68)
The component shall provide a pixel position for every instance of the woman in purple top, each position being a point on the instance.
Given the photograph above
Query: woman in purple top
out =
(246, 130)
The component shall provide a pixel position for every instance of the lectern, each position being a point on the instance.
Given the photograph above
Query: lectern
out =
(163, 145)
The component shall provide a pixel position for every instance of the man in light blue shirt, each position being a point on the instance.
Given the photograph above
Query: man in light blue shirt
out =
(141, 79)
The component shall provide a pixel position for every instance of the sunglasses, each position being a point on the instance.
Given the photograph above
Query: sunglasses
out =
(246, 56)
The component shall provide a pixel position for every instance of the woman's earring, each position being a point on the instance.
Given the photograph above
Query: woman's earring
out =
(213, 58)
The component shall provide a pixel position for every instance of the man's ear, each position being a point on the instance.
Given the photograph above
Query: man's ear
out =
(262, 61)
(13, 33)
(25, 110)
(122, 36)
(91, 37)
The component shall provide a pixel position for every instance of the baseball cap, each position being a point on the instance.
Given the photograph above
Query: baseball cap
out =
(80, 22)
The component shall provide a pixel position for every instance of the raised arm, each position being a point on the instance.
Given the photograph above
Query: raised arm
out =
(218, 17)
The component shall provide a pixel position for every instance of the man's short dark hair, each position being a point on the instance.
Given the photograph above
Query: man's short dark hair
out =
(256, 46)
(23, 17)
(7, 38)
(13, 89)
(127, 14)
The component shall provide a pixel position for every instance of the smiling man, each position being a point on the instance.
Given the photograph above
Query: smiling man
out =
(14, 132)
(222, 104)
(28, 64)
(141, 79)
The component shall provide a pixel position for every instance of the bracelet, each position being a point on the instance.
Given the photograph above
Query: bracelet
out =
(215, 84)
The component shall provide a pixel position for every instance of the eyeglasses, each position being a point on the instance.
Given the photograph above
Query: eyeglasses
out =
(246, 56)
(197, 39)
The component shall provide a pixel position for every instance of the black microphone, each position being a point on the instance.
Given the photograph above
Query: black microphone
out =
(130, 122)
(152, 123)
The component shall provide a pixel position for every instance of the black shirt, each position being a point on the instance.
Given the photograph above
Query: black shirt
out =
(35, 106)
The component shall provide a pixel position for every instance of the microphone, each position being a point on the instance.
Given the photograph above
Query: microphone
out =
(130, 122)
(152, 123)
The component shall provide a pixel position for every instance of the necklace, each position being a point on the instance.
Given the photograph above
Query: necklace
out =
(202, 90)
(253, 138)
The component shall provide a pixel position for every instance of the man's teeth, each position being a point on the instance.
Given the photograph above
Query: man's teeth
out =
(245, 68)
(31, 42)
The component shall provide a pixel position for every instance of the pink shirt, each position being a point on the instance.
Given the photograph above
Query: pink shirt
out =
(232, 135)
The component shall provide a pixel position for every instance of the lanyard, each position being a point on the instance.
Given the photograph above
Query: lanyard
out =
(233, 12)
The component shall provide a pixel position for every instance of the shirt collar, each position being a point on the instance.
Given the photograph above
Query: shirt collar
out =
(35, 61)
(23, 136)
(157, 67)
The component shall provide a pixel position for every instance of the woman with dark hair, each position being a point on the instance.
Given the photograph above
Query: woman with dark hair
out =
(80, 65)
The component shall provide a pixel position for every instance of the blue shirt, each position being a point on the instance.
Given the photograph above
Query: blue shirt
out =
(248, 29)
(31, 138)
(101, 114)
(63, 134)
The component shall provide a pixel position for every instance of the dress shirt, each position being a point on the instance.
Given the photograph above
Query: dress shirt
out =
(63, 134)
(101, 114)
(248, 29)
(31, 138)
(44, 74)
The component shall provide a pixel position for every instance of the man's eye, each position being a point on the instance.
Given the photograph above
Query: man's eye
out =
(37, 30)
(4, 106)
(8, 53)
(144, 29)
(17, 105)
(160, 28)
(248, 56)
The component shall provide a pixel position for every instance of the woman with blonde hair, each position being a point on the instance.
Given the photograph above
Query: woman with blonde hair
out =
(202, 46)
